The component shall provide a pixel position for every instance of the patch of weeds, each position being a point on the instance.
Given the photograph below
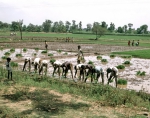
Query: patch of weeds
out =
(90, 62)
(126, 62)
(52, 60)
(99, 57)
(59, 51)
(7, 53)
(4, 57)
(50, 54)
(13, 64)
(122, 81)
(141, 73)
(112, 55)
(120, 66)
(65, 53)
(12, 50)
(126, 56)
(1, 48)
(34, 54)
(24, 49)
(36, 49)
(18, 55)
(104, 60)
(44, 51)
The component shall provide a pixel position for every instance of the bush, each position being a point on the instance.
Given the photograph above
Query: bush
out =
(126, 62)
(126, 56)
(13, 64)
(120, 66)
(12, 50)
(50, 54)
(36, 49)
(18, 55)
(141, 73)
(52, 60)
(104, 60)
(90, 62)
(65, 53)
(122, 81)
(59, 51)
(24, 49)
(7, 53)
(4, 57)
(44, 51)
(99, 57)
(112, 55)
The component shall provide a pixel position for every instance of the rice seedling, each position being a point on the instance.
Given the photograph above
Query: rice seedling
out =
(12, 50)
(127, 62)
(122, 81)
(90, 62)
(7, 53)
(50, 54)
(104, 60)
(141, 73)
(18, 55)
(13, 64)
(36, 49)
(4, 57)
(120, 66)
(99, 57)
(112, 55)
(24, 49)
(44, 51)
(59, 51)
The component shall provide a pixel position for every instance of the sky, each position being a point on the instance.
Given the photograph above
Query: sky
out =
(119, 12)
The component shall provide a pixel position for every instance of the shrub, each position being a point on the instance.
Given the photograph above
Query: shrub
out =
(4, 57)
(36, 49)
(120, 66)
(44, 51)
(7, 53)
(50, 54)
(112, 55)
(126, 62)
(24, 49)
(52, 60)
(18, 55)
(122, 81)
(99, 57)
(59, 51)
(126, 56)
(104, 60)
(12, 50)
(90, 62)
(141, 73)
(13, 64)
(65, 53)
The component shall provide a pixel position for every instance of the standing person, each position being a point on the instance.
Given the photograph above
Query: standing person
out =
(80, 55)
(8, 67)
(129, 43)
(46, 45)
(133, 43)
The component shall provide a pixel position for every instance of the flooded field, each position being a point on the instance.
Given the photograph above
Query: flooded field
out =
(129, 73)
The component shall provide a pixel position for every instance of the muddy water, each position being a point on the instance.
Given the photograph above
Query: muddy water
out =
(129, 73)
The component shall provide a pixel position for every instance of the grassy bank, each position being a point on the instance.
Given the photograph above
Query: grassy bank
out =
(102, 94)
(145, 54)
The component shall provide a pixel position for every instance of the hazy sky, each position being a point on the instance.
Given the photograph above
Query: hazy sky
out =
(119, 12)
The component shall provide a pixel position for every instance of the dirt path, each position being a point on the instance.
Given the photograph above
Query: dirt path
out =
(73, 106)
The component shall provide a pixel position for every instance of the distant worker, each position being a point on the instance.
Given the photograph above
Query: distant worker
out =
(46, 45)
(133, 43)
(129, 43)
(80, 55)
(137, 43)
(8, 67)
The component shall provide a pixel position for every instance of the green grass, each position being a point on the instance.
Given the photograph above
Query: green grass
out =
(122, 81)
(145, 53)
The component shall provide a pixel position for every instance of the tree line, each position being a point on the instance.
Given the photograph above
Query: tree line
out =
(99, 28)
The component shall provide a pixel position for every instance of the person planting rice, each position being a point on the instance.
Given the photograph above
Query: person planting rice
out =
(46, 45)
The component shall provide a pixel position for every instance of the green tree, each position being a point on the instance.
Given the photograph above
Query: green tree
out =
(80, 25)
(125, 28)
(14, 26)
(20, 27)
(130, 25)
(103, 24)
(89, 27)
(98, 30)
(67, 25)
(112, 27)
(120, 30)
(47, 25)
(55, 27)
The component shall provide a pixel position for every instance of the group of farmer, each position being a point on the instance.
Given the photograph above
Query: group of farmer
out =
(132, 43)
(98, 70)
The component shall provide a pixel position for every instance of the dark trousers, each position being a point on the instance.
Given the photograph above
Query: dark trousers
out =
(10, 74)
